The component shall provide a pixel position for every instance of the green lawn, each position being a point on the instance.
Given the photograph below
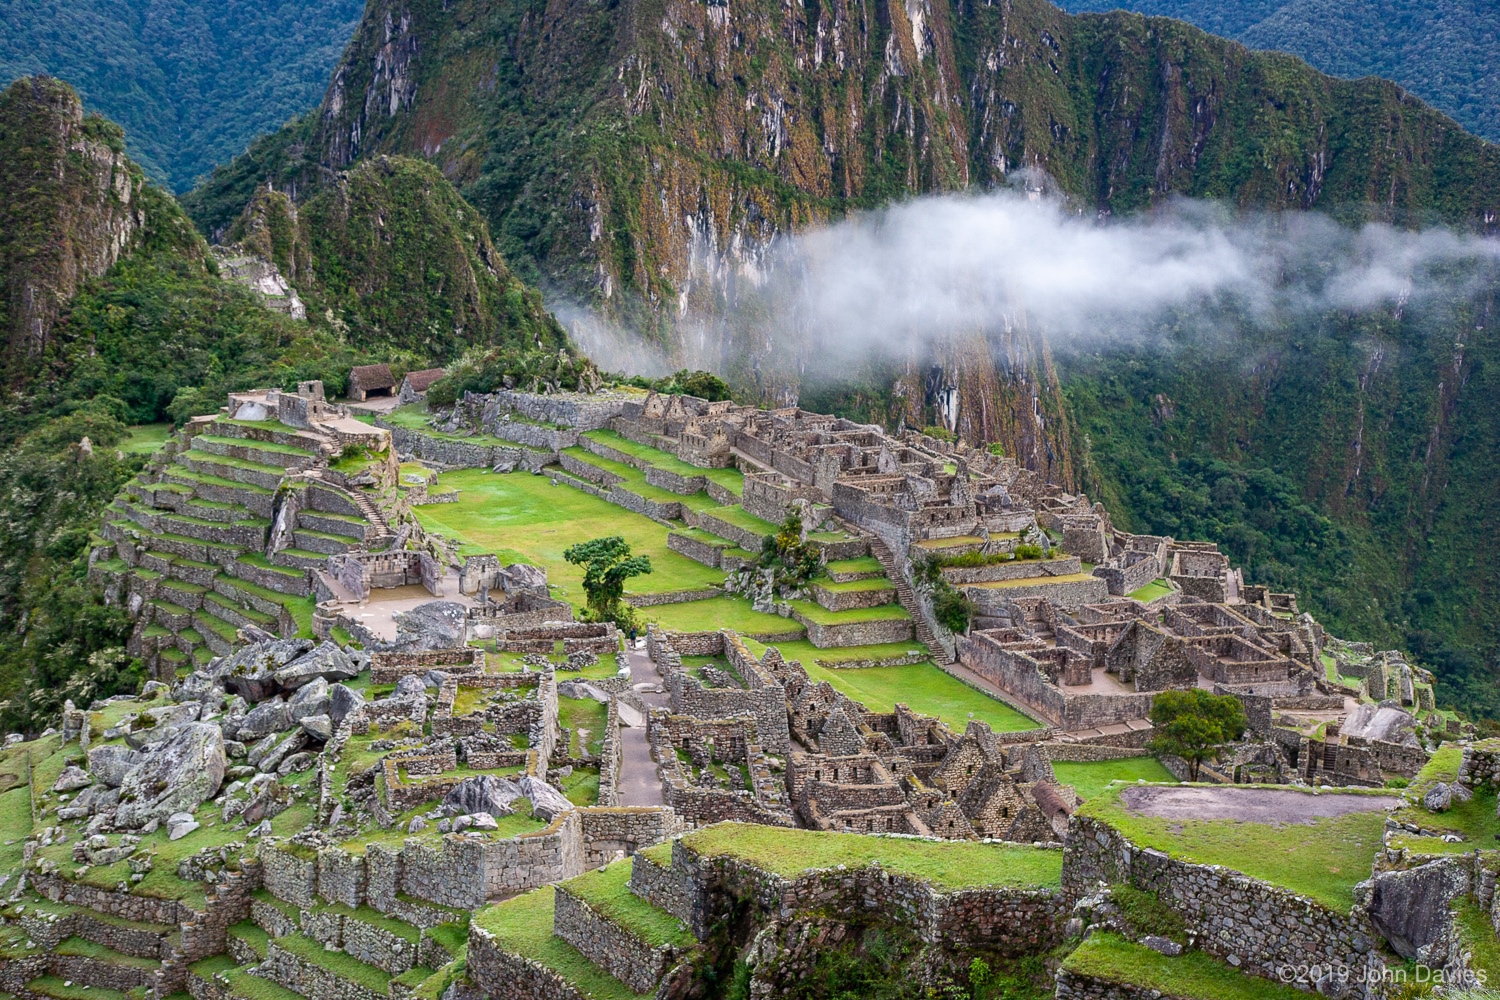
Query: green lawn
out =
(607, 891)
(523, 926)
(146, 438)
(719, 612)
(585, 713)
(1324, 859)
(521, 517)
(1192, 974)
(946, 865)
(1151, 591)
(1089, 778)
(742, 518)
(864, 564)
(922, 687)
(805, 651)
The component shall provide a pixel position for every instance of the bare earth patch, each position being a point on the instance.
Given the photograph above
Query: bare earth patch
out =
(1255, 805)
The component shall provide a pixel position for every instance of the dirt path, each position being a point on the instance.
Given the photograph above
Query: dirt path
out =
(1257, 805)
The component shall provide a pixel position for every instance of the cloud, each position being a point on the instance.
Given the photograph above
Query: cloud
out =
(921, 271)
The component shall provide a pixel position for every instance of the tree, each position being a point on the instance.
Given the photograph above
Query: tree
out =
(1192, 724)
(607, 565)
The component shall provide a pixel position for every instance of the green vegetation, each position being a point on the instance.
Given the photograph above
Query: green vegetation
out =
(946, 865)
(952, 608)
(820, 615)
(146, 438)
(523, 925)
(525, 518)
(1089, 778)
(719, 612)
(607, 564)
(922, 687)
(1194, 975)
(1441, 53)
(1193, 724)
(606, 890)
(191, 85)
(1151, 591)
(588, 714)
(1323, 859)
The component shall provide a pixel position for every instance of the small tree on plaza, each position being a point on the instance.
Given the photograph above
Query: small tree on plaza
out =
(1193, 724)
(607, 564)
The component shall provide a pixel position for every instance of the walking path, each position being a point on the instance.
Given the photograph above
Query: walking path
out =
(638, 783)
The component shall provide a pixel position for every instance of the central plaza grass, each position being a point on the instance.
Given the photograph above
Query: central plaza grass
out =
(921, 687)
(946, 865)
(520, 517)
(523, 926)
(1090, 778)
(1192, 974)
(1323, 860)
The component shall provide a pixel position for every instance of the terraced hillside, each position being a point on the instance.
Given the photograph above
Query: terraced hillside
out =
(223, 528)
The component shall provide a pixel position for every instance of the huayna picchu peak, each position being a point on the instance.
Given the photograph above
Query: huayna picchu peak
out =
(741, 501)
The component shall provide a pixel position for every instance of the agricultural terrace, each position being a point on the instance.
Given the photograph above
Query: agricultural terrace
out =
(1320, 845)
(1473, 821)
(1191, 975)
(946, 865)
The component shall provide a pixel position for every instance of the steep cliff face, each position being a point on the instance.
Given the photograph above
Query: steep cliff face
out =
(389, 254)
(642, 153)
(72, 208)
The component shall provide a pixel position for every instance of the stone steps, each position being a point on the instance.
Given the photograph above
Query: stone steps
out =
(908, 599)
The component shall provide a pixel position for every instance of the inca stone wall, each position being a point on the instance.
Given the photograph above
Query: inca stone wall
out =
(609, 945)
(1255, 926)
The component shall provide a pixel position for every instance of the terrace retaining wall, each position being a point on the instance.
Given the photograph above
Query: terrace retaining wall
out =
(1257, 927)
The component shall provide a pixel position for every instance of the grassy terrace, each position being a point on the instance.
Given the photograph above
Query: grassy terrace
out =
(921, 687)
(605, 889)
(1475, 820)
(719, 612)
(731, 479)
(853, 587)
(1192, 974)
(1090, 778)
(413, 417)
(822, 616)
(523, 926)
(634, 480)
(864, 564)
(1031, 581)
(523, 518)
(1323, 859)
(948, 865)
(742, 518)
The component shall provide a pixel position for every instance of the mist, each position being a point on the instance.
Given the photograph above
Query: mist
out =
(891, 281)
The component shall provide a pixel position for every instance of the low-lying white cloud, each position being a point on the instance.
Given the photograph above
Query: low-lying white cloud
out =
(890, 281)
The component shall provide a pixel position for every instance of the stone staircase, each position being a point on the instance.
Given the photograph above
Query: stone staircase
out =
(905, 595)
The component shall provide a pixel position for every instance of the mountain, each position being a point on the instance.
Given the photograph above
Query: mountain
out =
(117, 312)
(1446, 53)
(191, 83)
(640, 158)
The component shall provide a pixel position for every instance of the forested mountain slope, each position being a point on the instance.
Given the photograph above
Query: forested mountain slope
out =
(117, 312)
(192, 83)
(1447, 52)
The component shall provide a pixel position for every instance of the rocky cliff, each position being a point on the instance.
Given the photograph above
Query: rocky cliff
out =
(72, 207)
